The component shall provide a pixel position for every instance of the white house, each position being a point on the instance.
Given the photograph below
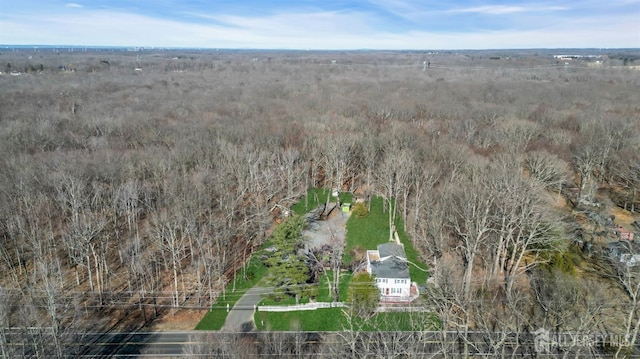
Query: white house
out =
(389, 266)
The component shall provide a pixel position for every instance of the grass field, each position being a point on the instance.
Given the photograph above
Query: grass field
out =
(323, 287)
(326, 319)
(367, 232)
(334, 319)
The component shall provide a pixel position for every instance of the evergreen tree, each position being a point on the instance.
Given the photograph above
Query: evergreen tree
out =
(288, 269)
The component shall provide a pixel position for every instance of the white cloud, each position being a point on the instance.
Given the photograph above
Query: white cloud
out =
(74, 5)
(408, 10)
(504, 9)
(398, 6)
(314, 30)
(417, 11)
(286, 24)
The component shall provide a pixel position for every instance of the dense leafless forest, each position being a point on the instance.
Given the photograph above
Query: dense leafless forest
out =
(133, 185)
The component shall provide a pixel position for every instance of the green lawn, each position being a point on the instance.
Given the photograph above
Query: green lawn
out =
(367, 232)
(370, 231)
(214, 319)
(325, 319)
(417, 275)
(333, 319)
(404, 321)
(323, 287)
(315, 197)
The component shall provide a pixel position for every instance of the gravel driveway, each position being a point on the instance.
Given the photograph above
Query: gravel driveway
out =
(319, 233)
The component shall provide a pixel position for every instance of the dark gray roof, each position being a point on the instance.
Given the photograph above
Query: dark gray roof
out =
(391, 249)
(393, 267)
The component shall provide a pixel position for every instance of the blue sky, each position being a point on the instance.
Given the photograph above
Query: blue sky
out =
(329, 24)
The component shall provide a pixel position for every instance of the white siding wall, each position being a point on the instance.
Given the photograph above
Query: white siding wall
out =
(392, 287)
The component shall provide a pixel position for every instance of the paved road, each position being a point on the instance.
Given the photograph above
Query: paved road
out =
(203, 343)
(130, 344)
(137, 344)
(242, 312)
(117, 345)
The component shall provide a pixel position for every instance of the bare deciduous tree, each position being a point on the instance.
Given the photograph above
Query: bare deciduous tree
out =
(472, 207)
(172, 233)
(393, 178)
(629, 279)
(547, 168)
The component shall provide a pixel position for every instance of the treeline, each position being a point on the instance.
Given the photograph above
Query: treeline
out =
(143, 184)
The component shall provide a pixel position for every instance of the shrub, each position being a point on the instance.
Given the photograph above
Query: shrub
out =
(363, 295)
(360, 210)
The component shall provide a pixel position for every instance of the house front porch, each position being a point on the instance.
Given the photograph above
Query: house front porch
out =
(414, 293)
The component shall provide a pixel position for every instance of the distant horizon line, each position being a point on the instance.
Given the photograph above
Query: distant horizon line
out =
(143, 48)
